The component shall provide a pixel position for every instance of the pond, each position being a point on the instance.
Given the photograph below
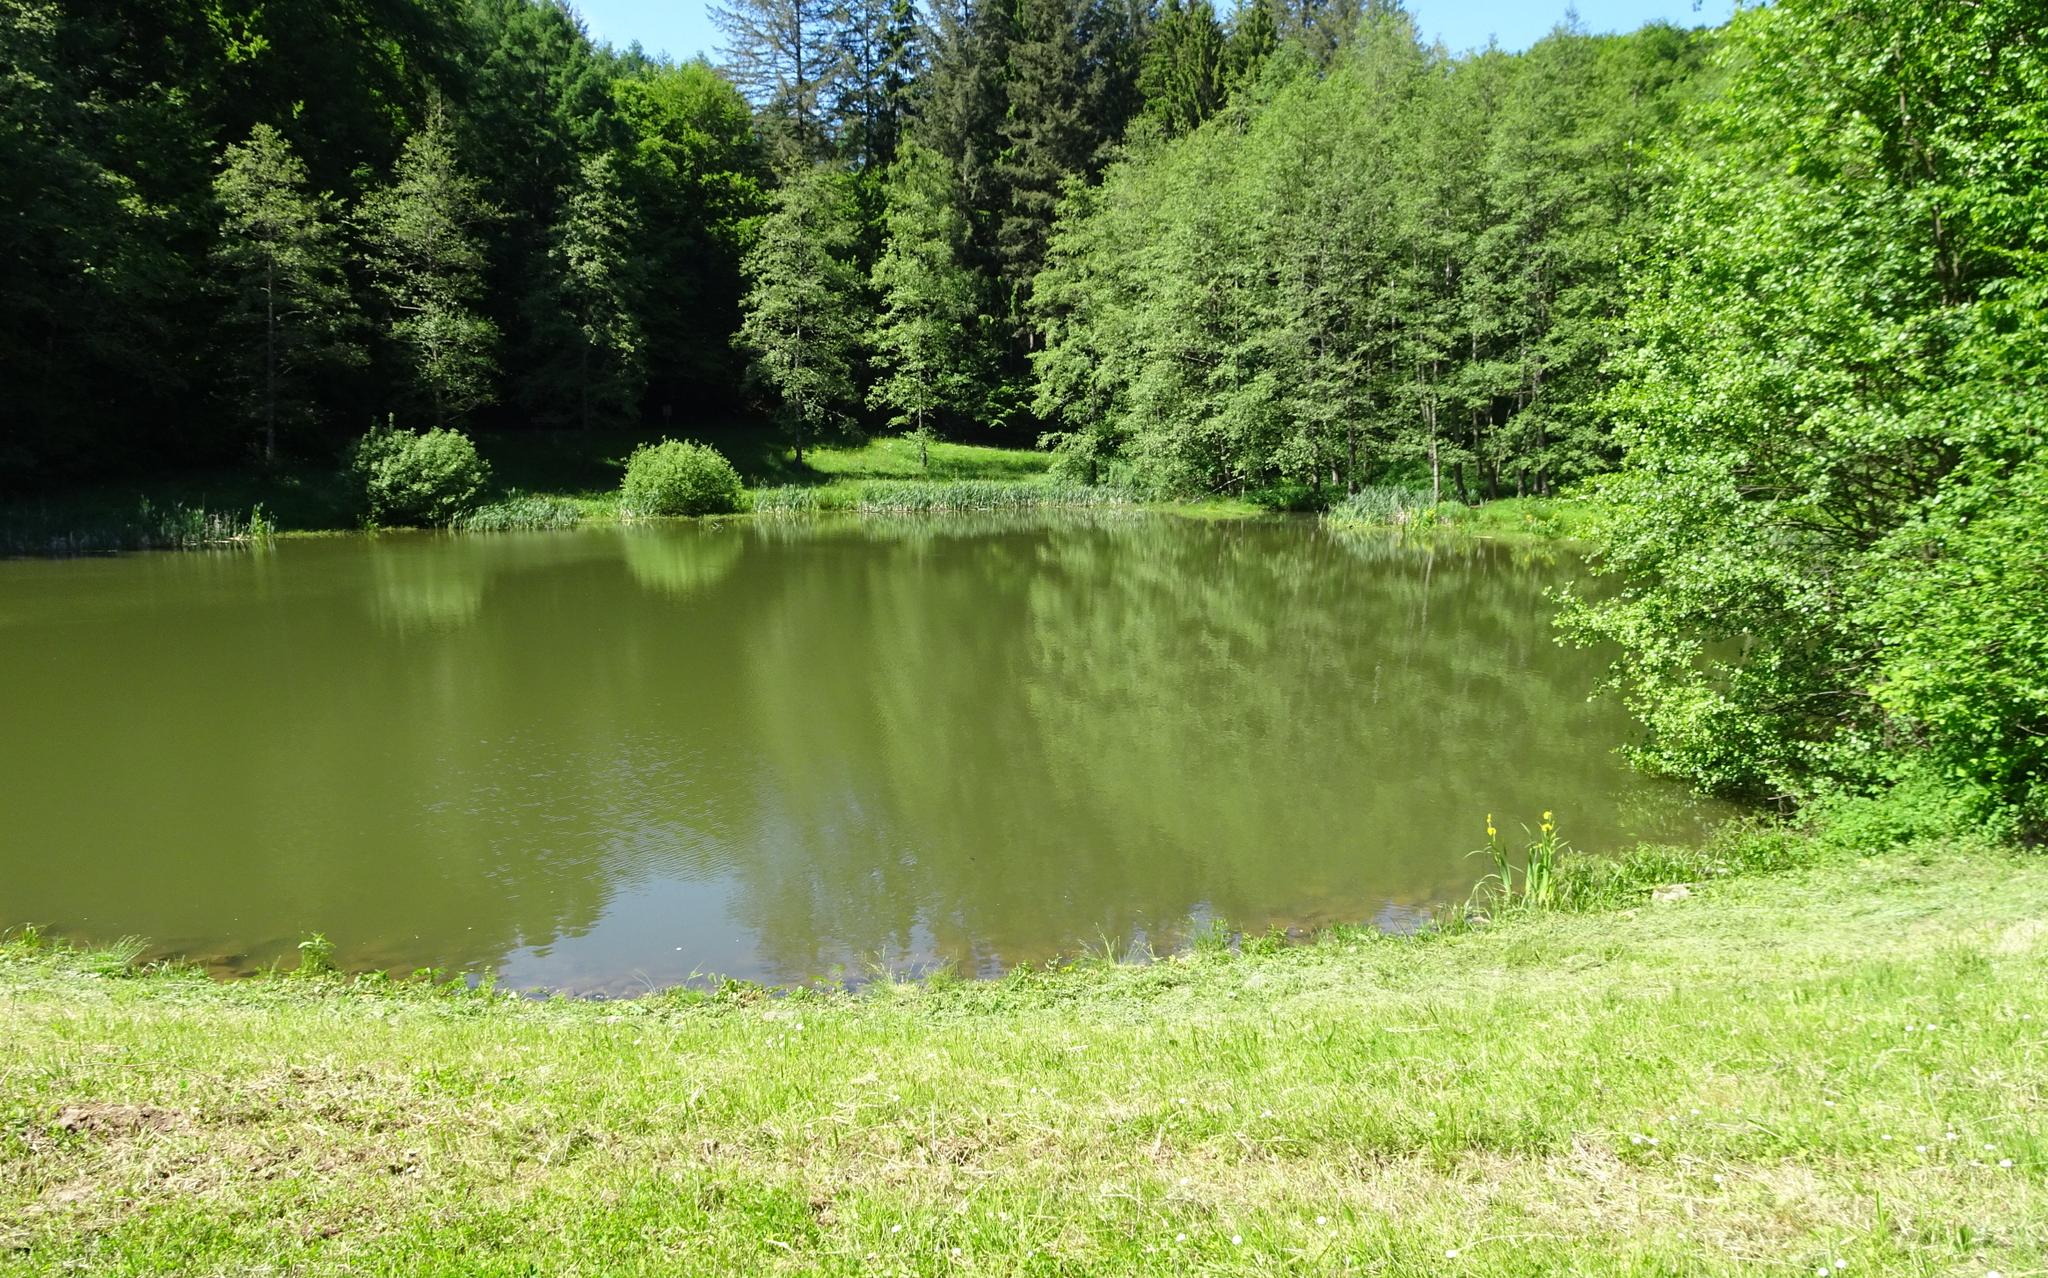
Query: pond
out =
(623, 757)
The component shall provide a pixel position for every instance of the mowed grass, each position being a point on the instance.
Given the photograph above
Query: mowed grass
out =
(1838, 1067)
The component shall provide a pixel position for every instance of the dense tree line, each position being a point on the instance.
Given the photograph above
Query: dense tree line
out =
(1409, 262)
(237, 229)
(1293, 247)
(1296, 250)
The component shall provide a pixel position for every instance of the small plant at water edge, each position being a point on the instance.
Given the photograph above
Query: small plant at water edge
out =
(417, 479)
(316, 955)
(1535, 882)
(672, 478)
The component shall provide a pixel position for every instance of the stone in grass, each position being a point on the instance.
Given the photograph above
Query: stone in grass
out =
(1670, 892)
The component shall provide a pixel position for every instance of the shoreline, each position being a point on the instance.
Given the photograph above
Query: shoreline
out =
(1639, 1081)
(548, 482)
(1587, 883)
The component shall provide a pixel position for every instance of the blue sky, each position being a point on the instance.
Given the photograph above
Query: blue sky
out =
(681, 28)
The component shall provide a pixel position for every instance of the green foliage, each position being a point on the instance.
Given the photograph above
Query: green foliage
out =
(679, 478)
(1411, 261)
(925, 336)
(417, 479)
(586, 318)
(883, 497)
(316, 956)
(1826, 526)
(133, 289)
(1253, 38)
(1184, 73)
(525, 513)
(1381, 505)
(1532, 885)
(289, 312)
(1960, 596)
(693, 175)
(428, 263)
(800, 309)
(785, 499)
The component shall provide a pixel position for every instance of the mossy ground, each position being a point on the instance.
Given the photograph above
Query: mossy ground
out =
(1837, 1064)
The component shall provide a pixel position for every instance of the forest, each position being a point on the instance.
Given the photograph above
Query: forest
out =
(1770, 296)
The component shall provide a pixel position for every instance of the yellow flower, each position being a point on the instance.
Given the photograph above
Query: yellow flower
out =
(1546, 816)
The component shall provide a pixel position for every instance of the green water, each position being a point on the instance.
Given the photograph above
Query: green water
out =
(615, 758)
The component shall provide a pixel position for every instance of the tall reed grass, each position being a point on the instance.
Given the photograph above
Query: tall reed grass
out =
(1383, 505)
(520, 513)
(147, 527)
(981, 494)
(926, 497)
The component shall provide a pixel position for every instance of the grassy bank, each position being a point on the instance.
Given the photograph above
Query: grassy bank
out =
(543, 480)
(1835, 1064)
(539, 479)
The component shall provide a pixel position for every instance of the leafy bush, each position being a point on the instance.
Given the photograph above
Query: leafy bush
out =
(417, 479)
(671, 478)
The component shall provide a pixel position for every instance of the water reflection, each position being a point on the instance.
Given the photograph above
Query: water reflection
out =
(892, 742)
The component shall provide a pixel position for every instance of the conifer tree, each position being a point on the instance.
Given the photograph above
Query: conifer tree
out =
(1253, 38)
(881, 56)
(925, 336)
(594, 365)
(428, 264)
(788, 58)
(289, 315)
(1072, 87)
(800, 322)
(1183, 74)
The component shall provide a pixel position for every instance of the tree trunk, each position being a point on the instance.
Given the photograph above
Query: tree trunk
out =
(270, 362)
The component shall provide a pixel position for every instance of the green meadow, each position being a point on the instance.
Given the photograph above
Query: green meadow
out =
(1808, 1059)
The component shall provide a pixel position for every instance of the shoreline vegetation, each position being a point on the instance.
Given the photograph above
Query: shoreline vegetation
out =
(561, 480)
(1707, 1060)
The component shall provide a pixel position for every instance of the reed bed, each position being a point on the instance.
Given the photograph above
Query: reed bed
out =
(148, 526)
(521, 513)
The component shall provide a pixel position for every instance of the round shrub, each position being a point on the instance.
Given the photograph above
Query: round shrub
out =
(418, 479)
(669, 478)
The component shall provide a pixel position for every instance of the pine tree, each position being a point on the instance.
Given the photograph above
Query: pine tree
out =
(594, 368)
(881, 56)
(1072, 87)
(421, 233)
(1182, 76)
(787, 57)
(924, 338)
(800, 309)
(962, 103)
(289, 315)
(1253, 38)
